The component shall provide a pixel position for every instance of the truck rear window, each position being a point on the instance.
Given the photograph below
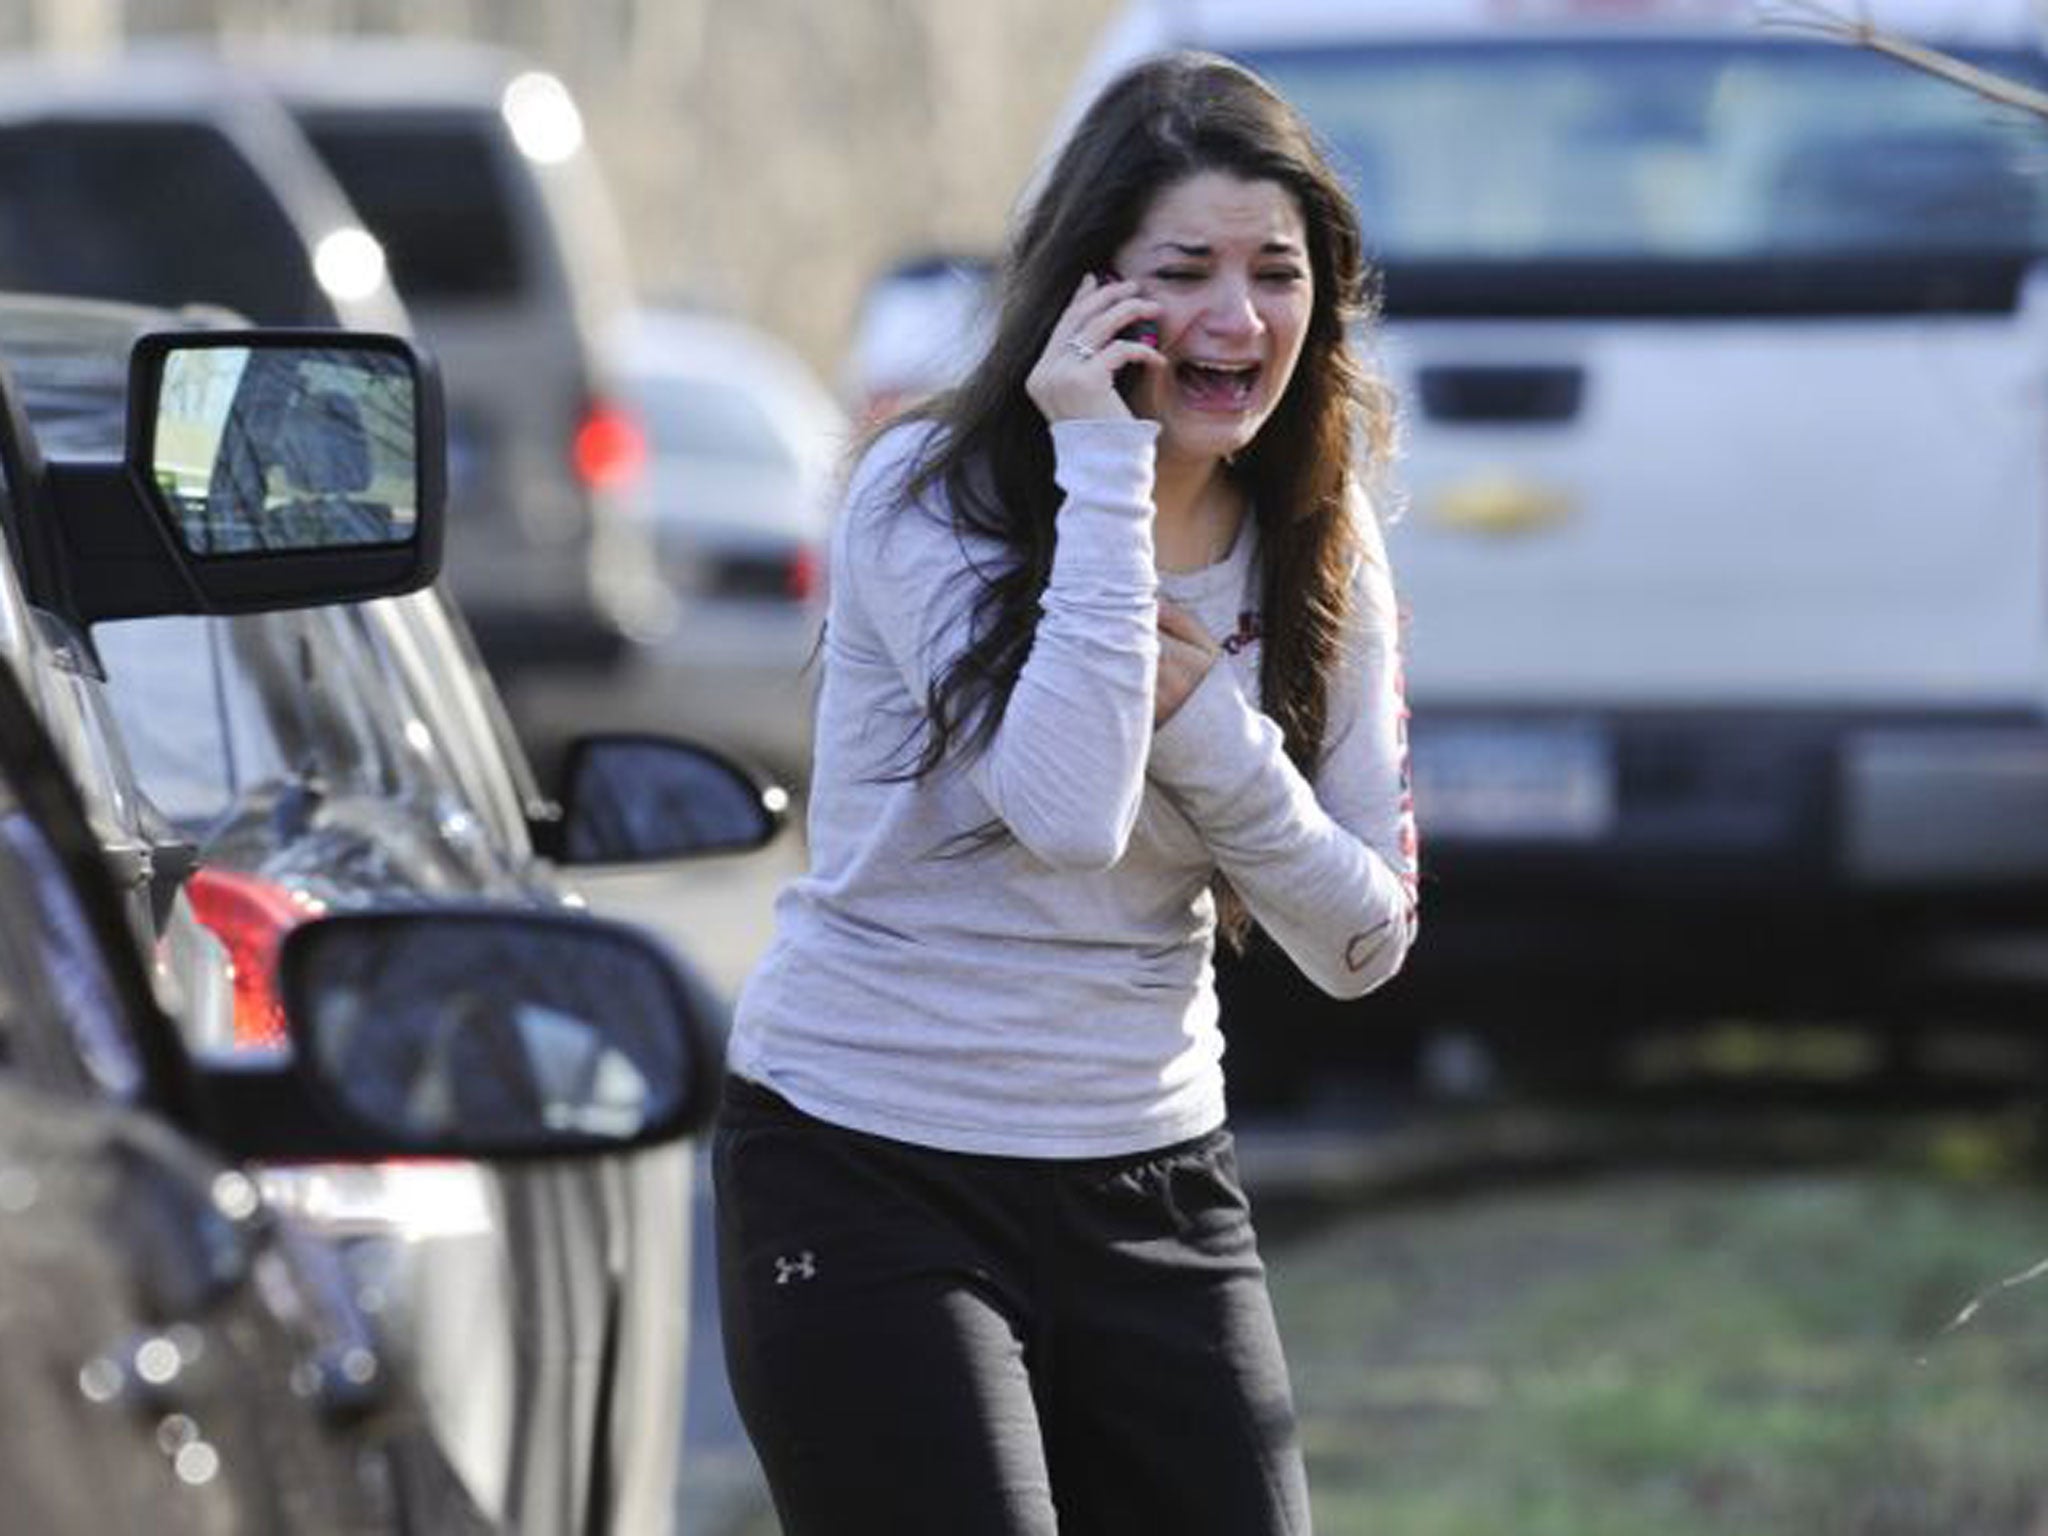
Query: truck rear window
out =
(432, 188)
(164, 213)
(1748, 175)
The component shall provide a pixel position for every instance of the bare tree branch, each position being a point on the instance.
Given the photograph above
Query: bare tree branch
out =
(1821, 20)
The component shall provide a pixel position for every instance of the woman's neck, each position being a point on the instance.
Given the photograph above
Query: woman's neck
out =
(1196, 514)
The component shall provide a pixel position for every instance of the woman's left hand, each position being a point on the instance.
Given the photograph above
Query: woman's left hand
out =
(1186, 652)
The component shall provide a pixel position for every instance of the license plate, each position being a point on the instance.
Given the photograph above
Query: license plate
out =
(1538, 781)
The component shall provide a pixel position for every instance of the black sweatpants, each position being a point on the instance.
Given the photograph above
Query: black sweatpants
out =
(934, 1342)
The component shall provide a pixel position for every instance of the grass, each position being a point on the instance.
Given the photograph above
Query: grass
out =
(1693, 1356)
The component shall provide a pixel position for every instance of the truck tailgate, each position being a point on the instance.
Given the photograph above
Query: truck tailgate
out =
(1845, 511)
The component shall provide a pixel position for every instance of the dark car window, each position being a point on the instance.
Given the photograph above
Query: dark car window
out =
(62, 1019)
(60, 1016)
(219, 713)
(71, 376)
(156, 212)
(430, 187)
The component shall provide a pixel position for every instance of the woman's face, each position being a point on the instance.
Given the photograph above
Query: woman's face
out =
(1227, 261)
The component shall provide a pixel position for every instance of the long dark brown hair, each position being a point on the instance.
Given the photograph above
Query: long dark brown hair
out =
(1151, 128)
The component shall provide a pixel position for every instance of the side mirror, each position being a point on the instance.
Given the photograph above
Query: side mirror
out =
(473, 1032)
(643, 799)
(274, 448)
(265, 469)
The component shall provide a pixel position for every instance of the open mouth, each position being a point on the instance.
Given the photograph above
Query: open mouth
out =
(1218, 386)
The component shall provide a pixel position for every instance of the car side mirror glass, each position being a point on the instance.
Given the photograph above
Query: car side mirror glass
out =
(641, 799)
(483, 1032)
(286, 446)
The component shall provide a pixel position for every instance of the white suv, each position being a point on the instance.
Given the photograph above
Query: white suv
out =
(1724, 359)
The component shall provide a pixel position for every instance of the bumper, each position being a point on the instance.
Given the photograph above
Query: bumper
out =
(1789, 805)
(1951, 808)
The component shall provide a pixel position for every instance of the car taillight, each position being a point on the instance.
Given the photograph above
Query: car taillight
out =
(250, 916)
(801, 580)
(609, 448)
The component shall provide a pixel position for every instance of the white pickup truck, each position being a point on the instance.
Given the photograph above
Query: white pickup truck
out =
(1723, 351)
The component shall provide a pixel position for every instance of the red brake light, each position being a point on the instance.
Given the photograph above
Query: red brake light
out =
(250, 916)
(800, 581)
(609, 448)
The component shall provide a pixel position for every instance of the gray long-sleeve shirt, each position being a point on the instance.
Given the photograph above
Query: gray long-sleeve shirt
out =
(1051, 995)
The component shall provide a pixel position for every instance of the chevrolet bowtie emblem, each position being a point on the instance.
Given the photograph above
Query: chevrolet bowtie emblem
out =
(1498, 504)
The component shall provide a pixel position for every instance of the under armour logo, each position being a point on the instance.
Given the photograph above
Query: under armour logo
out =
(803, 1267)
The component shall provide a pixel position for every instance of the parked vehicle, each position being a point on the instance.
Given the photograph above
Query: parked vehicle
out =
(178, 1357)
(174, 1358)
(171, 181)
(335, 757)
(217, 1322)
(471, 168)
(1718, 346)
(125, 168)
(744, 452)
(920, 324)
(235, 517)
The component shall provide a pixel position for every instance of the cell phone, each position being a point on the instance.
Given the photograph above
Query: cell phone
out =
(1146, 331)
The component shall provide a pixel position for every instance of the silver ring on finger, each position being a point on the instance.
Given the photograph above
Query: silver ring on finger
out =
(1080, 348)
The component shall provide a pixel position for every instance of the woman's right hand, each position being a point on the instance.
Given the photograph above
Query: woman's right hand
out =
(1075, 377)
(1186, 653)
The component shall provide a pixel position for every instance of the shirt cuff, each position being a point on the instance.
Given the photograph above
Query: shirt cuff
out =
(1106, 464)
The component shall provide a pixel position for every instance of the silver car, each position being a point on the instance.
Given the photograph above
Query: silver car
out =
(744, 454)
(333, 758)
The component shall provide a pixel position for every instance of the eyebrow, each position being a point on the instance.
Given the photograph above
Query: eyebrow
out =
(1270, 248)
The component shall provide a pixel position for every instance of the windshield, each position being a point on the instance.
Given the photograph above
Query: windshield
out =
(1649, 152)
(704, 419)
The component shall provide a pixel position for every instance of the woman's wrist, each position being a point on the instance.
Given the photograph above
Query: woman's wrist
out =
(1106, 465)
